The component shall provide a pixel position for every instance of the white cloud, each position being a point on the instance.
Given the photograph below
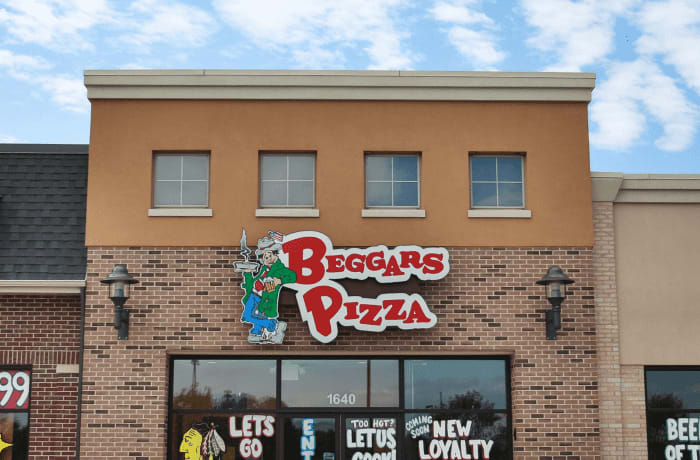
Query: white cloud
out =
(470, 31)
(56, 24)
(19, 66)
(161, 21)
(7, 139)
(69, 93)
(633, 92)
(578, 33)
(672, 29)
(319, 32)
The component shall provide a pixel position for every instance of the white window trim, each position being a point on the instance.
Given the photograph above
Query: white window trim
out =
(392, 181)
(471, 183)
(180, 212)
(287, 180)
(287, 212)
(393, 212)
(500, 213)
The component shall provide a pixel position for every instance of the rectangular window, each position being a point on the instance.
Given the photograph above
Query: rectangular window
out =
(392, 180)
(287, 180)
(673, 411)
(180, 180)
(497, 181)
(338, 408)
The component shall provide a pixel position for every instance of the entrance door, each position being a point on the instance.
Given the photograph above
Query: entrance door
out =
(310, 437)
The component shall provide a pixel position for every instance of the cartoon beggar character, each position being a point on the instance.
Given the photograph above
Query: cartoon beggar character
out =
(202, 442)
(261, 292)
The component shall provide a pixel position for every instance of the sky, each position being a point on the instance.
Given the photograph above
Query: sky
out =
(643, 118)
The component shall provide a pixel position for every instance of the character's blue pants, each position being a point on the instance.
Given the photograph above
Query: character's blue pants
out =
(253, 316)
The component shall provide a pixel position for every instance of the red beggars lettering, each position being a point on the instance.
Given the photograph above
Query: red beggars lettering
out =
(325, 304)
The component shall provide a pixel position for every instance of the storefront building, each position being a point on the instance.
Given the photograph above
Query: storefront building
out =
(338, 265)
(42, 274)
(646, 266)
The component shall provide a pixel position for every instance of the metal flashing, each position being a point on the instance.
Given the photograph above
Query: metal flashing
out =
(645, 188)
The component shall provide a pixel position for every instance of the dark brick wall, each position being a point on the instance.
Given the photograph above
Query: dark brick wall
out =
(44, 331)
(189, 300)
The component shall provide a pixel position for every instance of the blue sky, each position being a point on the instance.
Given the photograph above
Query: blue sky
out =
(645, 111)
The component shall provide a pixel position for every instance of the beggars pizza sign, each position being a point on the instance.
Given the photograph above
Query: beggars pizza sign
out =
(307, 263)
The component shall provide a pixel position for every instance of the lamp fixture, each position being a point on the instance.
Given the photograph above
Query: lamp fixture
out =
(119, 282)
(555, 282)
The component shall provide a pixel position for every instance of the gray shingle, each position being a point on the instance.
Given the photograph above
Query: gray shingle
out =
(42, 211)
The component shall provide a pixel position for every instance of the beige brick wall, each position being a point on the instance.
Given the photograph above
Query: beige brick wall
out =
(622, 404)
(189, 301)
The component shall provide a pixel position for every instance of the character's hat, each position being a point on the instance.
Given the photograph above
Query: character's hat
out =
(267, 244)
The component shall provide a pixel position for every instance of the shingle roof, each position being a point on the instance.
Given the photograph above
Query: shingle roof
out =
(43, 190)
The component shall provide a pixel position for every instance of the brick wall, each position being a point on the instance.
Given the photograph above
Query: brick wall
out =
(189, 300)
(44, 331)
(622, 397)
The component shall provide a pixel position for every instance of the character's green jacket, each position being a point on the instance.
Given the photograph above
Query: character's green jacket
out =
(268, 302)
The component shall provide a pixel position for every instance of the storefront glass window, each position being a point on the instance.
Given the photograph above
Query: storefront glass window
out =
(673, 412)
(340, 408)
(15, 391)
(224, 384)
(455, 384)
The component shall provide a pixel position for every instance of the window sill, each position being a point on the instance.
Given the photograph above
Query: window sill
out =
(180, 212)
(386, 212)
(287, 212)
(501, 213)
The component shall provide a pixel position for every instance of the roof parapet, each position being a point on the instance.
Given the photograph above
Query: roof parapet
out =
(339, 85)
(645, 188)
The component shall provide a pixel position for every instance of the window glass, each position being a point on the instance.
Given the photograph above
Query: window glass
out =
(370, 435)
(425, 431)
(324, 383)
(223, 436)
(167, 193)
(14, 429)
(379, 194)
(301, 167)
(378, 168)
(384, 383)
(673, 389)
(311, 434)
(392, 180)
(287, 180)
(181, 180)
(455, 384)
(497, 181)
(167, 167)
(406, 168)
(483, 169)
(510, 169)
(224, 384)
(484, 194)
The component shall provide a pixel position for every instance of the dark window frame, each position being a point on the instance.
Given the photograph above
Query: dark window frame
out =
(340, 414)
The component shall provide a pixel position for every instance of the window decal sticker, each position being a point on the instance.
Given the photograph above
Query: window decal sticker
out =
(202, 442)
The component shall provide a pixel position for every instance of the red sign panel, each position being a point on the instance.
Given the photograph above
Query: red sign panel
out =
(14, 389)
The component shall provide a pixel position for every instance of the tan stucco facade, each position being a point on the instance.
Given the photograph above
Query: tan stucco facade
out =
(658, 288)
(553, 136)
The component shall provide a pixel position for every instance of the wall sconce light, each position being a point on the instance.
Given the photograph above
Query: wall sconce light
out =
(555, 282)
(119, 281)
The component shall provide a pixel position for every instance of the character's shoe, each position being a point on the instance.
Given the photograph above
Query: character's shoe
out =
(256, 338)
(278, 336)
